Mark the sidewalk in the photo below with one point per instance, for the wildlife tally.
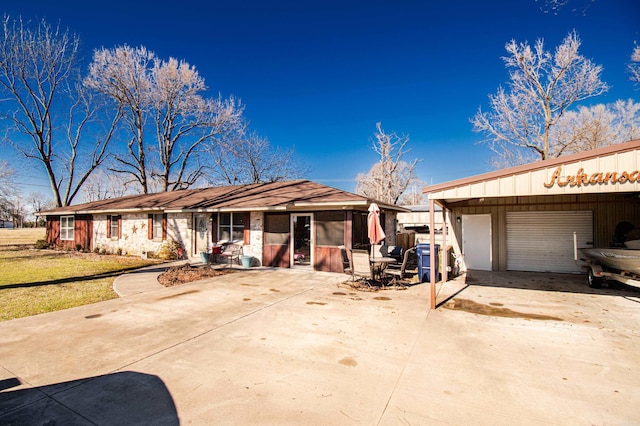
(143, 279)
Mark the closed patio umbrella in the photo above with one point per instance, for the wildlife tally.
(376, 233)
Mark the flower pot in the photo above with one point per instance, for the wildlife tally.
(246, 261)
(204, 256)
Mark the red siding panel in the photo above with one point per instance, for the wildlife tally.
(53, 230)
(276, 255)
(329, 259)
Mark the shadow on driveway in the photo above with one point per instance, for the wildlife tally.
(112, 399)
(546, 281)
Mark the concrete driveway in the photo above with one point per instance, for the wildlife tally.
(289, 347)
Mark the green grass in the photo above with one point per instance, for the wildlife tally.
(22, 236)
(39, 281)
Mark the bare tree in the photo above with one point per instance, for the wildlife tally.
(634, 66)
(542, 87)
(38, 202)
(185, 121)
(165, 98)
(7, 191)
(596, 126)
(577, 7)
(103, 185)
(389, 178)
(46, 103)
(243, 158)
(122, 75)
(16, 210)
(413, 195)
(7, 180)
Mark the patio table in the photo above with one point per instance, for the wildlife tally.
(379, 264)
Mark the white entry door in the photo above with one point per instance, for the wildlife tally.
(476, 241)
(202, 234)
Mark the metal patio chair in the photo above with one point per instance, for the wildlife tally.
(398, 274)
(360, 266)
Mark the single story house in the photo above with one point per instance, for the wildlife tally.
(527, 218)
(296, 223)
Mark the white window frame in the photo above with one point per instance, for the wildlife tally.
(67, 231)
(231, 228)
(156, 222)
(114, 222)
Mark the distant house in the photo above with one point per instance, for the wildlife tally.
(284, 224)
(416, 219)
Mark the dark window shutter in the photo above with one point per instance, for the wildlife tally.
(108, 226)
(119, 226)
(164, 226)
(214, 228)
(150, 227)
(247, 228)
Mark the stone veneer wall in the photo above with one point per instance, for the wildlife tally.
(255, 240)
(179, 228)
(134, 239)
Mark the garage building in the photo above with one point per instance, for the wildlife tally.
(526, 218)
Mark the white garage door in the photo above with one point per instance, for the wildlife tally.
(543, 241)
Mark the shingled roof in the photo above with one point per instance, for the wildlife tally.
(283, 196)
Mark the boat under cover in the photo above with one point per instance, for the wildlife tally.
(620, 259)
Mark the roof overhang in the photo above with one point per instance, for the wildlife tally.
(614, 168)
(304, 206)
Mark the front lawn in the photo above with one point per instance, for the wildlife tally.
(38, 281)
(21, 236)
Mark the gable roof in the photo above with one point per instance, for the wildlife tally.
(536, 178)
(275, 196)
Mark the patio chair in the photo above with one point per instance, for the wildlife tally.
(232, 251)
(360, 265)
(346, 264)
(399, 273)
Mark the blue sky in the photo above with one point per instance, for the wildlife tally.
(318, 75)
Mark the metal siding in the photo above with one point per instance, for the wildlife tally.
(542, 241)
(531, 182)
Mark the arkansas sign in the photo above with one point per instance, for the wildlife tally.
(582, 178)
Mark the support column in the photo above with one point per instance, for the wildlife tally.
(432, 259)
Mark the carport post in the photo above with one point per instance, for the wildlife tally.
(432, 258)
(444, 264)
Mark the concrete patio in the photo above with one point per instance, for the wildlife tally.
(265, 346)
